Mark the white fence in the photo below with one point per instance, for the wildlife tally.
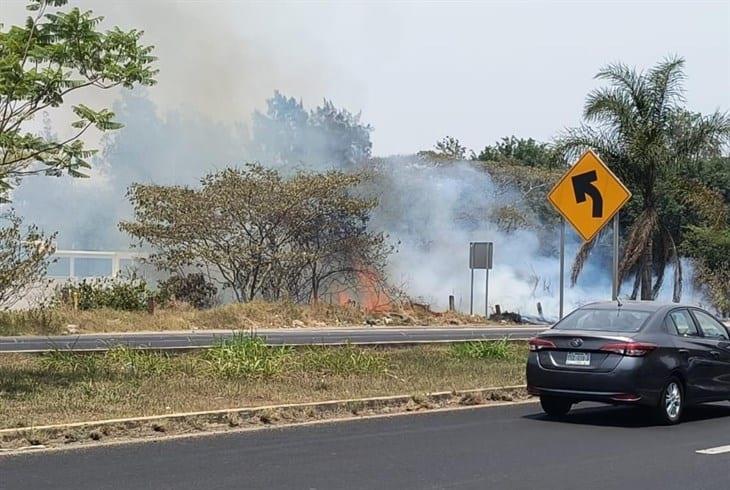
(79, 264)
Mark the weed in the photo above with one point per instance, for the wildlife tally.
(343, 360)
(484, 349)
(72, 363)
(138, 362)
(245, 356)
(41, 320)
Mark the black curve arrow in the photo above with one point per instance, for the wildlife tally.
(582, 186)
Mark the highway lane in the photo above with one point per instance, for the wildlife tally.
(299, 336)
(512, 447)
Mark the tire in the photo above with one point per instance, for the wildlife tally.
(671, 403)
(555, 406)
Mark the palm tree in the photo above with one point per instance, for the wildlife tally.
(641, 129)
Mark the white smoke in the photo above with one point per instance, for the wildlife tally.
(431, 211)
(434, 212)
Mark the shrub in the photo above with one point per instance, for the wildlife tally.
(483, 349)
(193, 289)
(131, 294)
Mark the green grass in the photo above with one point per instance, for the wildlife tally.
(245, 356)
(343, 360)
(484, 349)
(65, 387)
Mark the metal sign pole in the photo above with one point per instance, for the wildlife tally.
(562, 264)
(614, 271)
(486, 295)
(471, 294)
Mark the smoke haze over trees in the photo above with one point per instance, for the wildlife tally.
(429, 207)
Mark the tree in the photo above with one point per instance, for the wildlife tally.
(639, 126)
(259, 234)
(521, 151)
(450, 147)
(325, 137)
(24, 258)
(54, 55)
(710, 250)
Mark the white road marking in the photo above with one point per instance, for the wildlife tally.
(715, 450)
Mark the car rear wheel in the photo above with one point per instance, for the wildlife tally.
(554, 406)
(671, 402)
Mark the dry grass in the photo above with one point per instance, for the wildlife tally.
(229, 317)
(36, 390)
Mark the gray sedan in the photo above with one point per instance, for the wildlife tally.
(663, 356)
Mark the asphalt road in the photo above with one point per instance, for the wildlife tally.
(512, 447)
(308, 336)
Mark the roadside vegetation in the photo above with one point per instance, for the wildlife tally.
(66, 387)
(238, 316)
(295, 222)
(502, 350)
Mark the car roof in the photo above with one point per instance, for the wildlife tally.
(649, 306)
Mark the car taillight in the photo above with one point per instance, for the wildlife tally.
(632, 349)
(536, 344)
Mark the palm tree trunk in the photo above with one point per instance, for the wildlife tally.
(646, 272)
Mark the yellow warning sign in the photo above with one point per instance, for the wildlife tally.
(588, 195)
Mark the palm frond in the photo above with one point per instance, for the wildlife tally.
(666, 85)
(581, 257)
(610, 105)
(629, 79)
(637, 283)
(640, 236)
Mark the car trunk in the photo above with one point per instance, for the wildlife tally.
(580, 350)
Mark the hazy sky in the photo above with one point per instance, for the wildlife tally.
(419, 71)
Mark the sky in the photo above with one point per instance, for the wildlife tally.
(418, 71)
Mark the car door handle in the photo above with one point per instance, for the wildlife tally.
(715, 354)
(684, 352)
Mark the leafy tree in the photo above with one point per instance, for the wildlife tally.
(24, 258)
(710, 250)
(262, 235)
(522, 151)
(325, 137)
(639, 126)
(450, 148)
(56, 54)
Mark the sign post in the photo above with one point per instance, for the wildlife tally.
(562, 265)
(614, 265)
(588, 196)
(480, 257)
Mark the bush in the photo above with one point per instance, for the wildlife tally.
(484, 349)
(193, 289)
(119, 294)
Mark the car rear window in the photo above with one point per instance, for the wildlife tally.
(618, 320)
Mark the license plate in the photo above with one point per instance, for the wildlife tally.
(578, 359)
